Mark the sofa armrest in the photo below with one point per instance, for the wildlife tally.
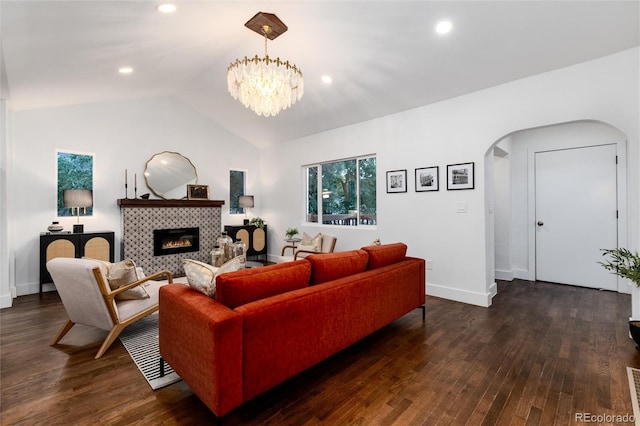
(202, 340)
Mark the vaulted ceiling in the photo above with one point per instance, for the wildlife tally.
(384, 56)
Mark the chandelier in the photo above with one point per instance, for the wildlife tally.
(265, 85)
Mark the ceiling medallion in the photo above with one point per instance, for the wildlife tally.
(265, 85)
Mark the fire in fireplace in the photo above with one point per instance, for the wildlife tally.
(173, 241)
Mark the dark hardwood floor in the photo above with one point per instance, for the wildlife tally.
(542, 354)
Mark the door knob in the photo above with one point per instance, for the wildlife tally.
(540, 223)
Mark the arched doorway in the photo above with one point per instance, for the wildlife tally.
(510, 191)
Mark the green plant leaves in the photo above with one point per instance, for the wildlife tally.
(623, 262)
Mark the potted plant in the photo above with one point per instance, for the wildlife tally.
(626, 264)
(257, 221)
(290, 233)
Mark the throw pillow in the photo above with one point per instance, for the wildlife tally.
(316, 241)
(202, 276)
(123, 273)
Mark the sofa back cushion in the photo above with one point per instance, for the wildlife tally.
(331, 266)
(385, 254)
(238, 288)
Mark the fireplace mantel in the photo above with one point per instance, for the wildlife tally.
(140, 202)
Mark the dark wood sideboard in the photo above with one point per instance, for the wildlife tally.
(97, 245)
(255, 238)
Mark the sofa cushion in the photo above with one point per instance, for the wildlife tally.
(241, 287)
(331, 266)
(385, 254)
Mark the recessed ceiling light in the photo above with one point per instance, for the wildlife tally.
(443, 27)
(327, 79)
(166, 8)
(125, 70)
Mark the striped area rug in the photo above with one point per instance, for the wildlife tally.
(141, 341)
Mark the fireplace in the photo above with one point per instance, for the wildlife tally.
(173, 241)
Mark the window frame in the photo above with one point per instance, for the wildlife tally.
(319, 195)
(85, 175)
(233, 207)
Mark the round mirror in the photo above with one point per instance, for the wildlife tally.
(168, 173)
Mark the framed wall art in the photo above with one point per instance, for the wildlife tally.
(460, 176)
(397, 181)
(427, 179)
(198, 192)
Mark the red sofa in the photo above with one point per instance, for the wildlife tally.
(268, 324)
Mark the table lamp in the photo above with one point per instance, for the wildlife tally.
(245, 202)
(77, 199)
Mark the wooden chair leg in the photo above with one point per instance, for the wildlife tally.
(293, 249)
(113, 335)
(64, 330)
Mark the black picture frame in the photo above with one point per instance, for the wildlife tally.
(397, 181)
(460, 176)
(427, 179)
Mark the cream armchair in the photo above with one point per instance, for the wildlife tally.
(327, 246)
(88, 300)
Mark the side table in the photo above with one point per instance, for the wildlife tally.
(291, 244)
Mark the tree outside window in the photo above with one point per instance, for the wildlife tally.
(236, 189)
(348, 192)
(75, 171)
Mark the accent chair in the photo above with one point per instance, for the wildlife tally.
(89, 300)
(327, 246)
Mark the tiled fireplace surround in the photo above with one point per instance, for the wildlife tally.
(141, 217)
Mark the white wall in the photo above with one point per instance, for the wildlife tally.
(122, 135)
(502, 209)
(7, 281)
(454, 131)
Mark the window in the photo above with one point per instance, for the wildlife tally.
(342, 192)
(236, 189)
(75, 171)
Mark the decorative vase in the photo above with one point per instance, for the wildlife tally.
(217, 257)
(55, 227)
(224, 242)
(634, 329)
(238, 248)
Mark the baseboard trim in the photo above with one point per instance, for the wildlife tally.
(504, 275)
(33, 288)
(464, 296)
(511, 274)
(6, 302)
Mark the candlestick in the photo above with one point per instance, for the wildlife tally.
(135, 185)
(126, 190)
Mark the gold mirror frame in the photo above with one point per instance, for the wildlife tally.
(168, 173)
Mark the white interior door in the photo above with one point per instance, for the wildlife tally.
(576, 215)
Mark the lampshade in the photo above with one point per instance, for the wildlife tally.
(77, 198)
(265, 85)
(245, 201)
